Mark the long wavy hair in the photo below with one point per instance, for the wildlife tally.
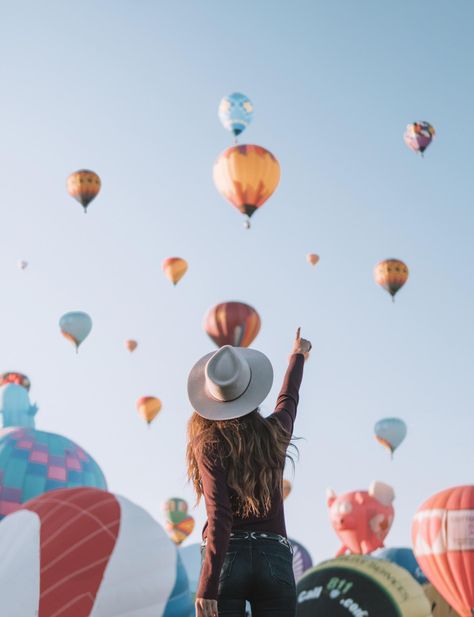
(252, 449)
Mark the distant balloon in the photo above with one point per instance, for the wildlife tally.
(174, 509)
(246, 176)
(149, 407)
(287, 486)
(174, 268)
(22, 264)
(180, 530)
(14, 377)
(232, 323)
(312, 258)
(362, 519)
(443, 543)
(75, 326)
(302, 560)
(131, 345)
(418, 136)
(391, 274)
(235, 112)
(390, 432)
(84, 186)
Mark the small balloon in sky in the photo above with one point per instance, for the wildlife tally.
(390, 432)
(174, 268)
(418, 136)
(312, 258)
(235, 112)
(76, 327)
(391, 274)
(22, 264)
(131, 345)
(149, 407)
(84, 185)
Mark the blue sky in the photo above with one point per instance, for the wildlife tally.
(130, 89)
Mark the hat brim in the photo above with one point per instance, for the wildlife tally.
(205, 405)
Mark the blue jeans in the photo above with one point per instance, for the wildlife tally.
(260, 572)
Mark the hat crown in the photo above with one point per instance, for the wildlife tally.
(228, 374)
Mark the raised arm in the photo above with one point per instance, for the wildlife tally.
(219, 518)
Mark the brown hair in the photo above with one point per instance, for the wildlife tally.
(252, 449)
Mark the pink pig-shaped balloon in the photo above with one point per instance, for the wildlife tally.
(362, 519)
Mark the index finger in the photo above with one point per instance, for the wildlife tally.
(298, 333)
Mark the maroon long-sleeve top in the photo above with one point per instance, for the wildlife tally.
(221, 520)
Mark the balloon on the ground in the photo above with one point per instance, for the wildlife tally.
(246, 176)
(443, 543)
(232, 323)
(191, 556)
(235, 112)
(84, 186)
(15, 377)
(287, 486)
(22, 264)
(312, 258)
(174, 508)
(405, 558)
(418, 136)
(302, 560)
(76, 327)
(84, 552)
(362, 519)
(181, 601)
(131, 344)
(174, 268)
(148, 407)
(390, 432)
(360, 586)
(391, 274)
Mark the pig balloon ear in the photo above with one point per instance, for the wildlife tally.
(330, 496)
(382, 492)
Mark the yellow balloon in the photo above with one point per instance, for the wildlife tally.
(174, 268)
(148, 407)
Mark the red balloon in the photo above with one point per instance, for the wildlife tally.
(232, 323)
(443, 543)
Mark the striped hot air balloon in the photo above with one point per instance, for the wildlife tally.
(84, 185)
(391, 274)
(174, 268)
(232, 323)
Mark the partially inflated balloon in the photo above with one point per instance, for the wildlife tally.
(75, 326)
(246, 176)
(287, 486)
(84, 186)
(391, 274)
(148, 407)
(232, 323)
(390, 432)
(443, 542)
(174, 268)
(131, 345)
(235, 112)
(418, 136)
(312, 258)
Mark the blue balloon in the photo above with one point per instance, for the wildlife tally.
(235, 112)
(405, 558)
(180, 603)
(390, 432)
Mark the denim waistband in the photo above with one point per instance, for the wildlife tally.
(257, 535)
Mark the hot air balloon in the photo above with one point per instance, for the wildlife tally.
(15, 377)
(362, 519)
(390, 432)
(312, 258)
(418, 136)
(246, 176)
(391, 274)
(22, 264)
(360, 586)
(232, 323)
(84, 186)
(174, 268)
(179, 531)
(83, 552)
(235, 112)
(287, 486)
(443, 542)
(181, 601)
(148, 407)
(174, 508)
(302, 560)
(131, 345)
(75, 326)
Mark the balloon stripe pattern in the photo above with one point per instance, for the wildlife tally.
(443, 543)
(246, 176)
(391, 274)
(232, 323)
(84, 185)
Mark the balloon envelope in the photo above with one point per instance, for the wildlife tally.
(131, 345)
(312, 258)
(180, 530)
(22, 264)
(443, 543)
(391, 274)
(84, 186)
(174, 268)
(302, 560)
(405, 558)
(175, 508)
(75, 326)
(287, 486)
(360, 586)
(246, 176)
(235, 112)
(232, 323)
(418, 136)
(149, 407)
(84, 552)
(390, 432)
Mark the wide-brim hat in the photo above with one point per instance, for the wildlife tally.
(229, 383)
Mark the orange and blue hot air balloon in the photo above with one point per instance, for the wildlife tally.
(390, 432)
(418, 136)
(148, 407)
(84, 185)
(246, 176)
(391, 274)
(232, 323)
(235, 112)
(174, 268)
(76, 327)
